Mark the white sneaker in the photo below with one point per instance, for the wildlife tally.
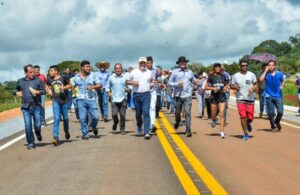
(222, 134)
(147, 136)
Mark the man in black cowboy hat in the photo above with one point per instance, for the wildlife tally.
(182, 80)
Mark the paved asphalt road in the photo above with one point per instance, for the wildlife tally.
(169, 163)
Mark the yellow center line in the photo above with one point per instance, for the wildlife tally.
(200, 169)
(178, 168)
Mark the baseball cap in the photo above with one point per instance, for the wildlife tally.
(143, 59)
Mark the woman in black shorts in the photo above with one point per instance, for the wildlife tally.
(218, 85)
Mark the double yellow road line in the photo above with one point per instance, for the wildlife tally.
(184, 178)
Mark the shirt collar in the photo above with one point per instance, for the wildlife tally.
(116, 76)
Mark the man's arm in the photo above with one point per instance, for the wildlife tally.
(171, 80)
(263, 75)
(19, 89)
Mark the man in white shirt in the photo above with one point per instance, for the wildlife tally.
(142, 81)
(245, 84)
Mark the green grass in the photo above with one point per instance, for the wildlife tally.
(9, 106)
(290, 88)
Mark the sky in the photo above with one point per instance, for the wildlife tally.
(205, 31)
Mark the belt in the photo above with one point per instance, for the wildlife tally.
(141, 92)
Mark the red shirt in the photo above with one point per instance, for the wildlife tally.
(43, 78)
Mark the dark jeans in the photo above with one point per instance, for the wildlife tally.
(29, 114)
(60, 109)
(262, 100)
(43, 97)
(208, 107)
(158, 105)
(142, 108)
(273, 103)
(119, 108)
(186, 103)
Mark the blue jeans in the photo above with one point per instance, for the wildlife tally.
(76, 107)
(70, 99)
(130, 100)
(186, 103)
(273, 103)
(58, 110)
(103, 103)
(142, 108)
(262, 100)
(88, 108)
(29, 114)
(170, 102)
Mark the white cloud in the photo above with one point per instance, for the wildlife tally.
(48, 32)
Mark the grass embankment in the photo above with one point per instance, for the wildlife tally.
(290, 93)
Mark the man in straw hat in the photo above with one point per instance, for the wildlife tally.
(103, 75)
(182, 80)
(142, 81)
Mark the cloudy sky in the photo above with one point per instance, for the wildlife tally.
(47, 32)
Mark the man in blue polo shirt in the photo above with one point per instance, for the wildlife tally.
(274, 84)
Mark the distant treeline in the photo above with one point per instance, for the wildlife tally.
(288, 54)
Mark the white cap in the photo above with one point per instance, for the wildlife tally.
(143, 59)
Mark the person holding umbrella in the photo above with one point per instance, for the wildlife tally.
(274, 82)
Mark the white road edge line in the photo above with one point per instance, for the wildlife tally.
(282, 122)
(11, 142)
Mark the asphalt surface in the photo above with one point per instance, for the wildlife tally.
(268, 163)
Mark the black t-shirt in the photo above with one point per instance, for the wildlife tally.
(58, 94)
(219, 81)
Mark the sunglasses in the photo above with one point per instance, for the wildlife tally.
(244, 65)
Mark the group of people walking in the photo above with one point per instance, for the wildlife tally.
(146, 90)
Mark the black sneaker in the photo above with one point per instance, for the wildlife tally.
(67, 135)
(105, 119)
(95, 131)
(39, 138)
(153, 130)
(188, 134)
(114, 127)
(176, 125)
(278, 126)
